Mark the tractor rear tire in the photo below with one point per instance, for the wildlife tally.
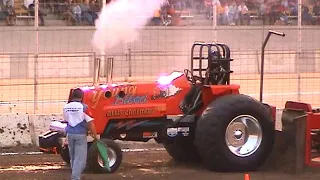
(115, 157)
(182, 150)
(212, 128)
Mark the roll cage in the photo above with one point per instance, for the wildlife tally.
(217, 67)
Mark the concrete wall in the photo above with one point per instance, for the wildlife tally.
(157, 50)
(77, 39)
(18, 129)
(14, 130)
(5, 66)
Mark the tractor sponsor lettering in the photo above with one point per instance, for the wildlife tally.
(130, 112)
(128, 90)
(129, 99)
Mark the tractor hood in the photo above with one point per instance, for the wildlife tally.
(131, 87)
(135, 93)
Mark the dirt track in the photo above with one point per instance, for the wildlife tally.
(143, 161)
(148, 165)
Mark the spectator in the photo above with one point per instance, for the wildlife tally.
(306, 16)
(209, 9)
(76, 12)
(73, 13)
(95, 8)
(165, 7)
(282, 8)
(274, 13)
(233, 14)
(316, 8)
(285, 4)
(264, 12)
(8, 11)
(222, 14)
(244, 13)
(156, 20)
(87, 13)
(293, 8)
(316, 12)
(208, 5)
(29, 4)
(59, 7)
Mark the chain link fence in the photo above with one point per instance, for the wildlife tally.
(39, 64)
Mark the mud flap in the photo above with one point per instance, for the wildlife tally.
(288, 153)
(288, 126)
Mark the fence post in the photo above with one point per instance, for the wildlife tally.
(214, 20)
(299, 48)
(258, 61)
(36, 56)
(129, 59)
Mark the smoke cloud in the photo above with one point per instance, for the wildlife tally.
(120, 22)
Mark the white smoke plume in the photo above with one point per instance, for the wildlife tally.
(120, 21)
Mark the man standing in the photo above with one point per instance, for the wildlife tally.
(29, 4)
(244, 13)
(79, 121)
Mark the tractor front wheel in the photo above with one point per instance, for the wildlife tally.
(64, 153)
(95, 162)
(235, 133)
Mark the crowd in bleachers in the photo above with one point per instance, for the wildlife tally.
(172, 12)
(271, 12)
(74, 12)
(77, 12)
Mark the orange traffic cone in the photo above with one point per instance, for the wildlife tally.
(246, 177)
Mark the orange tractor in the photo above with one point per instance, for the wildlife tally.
(196, 114)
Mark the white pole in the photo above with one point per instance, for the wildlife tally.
(129, 59)
(214, 20)
(36, 55)
(299, 46)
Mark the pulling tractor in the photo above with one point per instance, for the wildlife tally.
(196, 114)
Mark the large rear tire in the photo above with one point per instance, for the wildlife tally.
(227, 122)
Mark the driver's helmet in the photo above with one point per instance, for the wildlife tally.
(214, 55)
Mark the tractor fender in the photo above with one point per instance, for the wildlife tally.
(272, 110)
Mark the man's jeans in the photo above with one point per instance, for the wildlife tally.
(78, 154)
